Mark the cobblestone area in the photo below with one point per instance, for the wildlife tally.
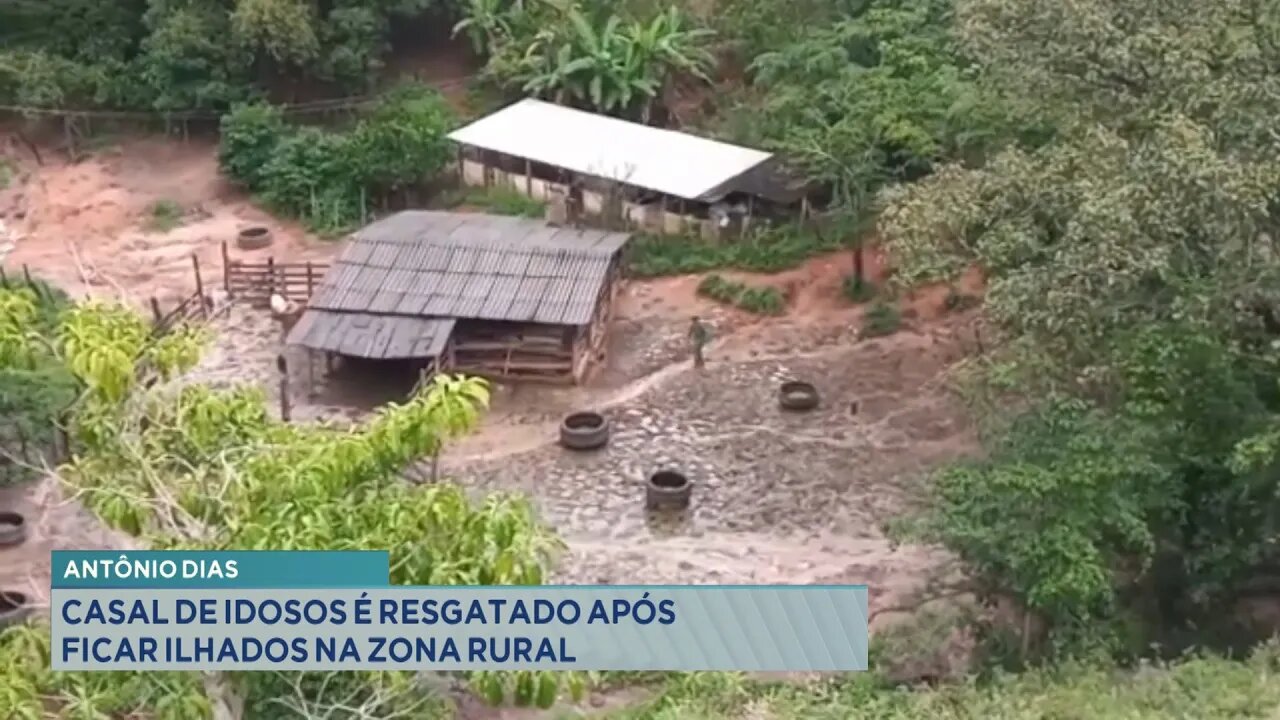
(778, 496)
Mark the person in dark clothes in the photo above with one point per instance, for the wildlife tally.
(699, 336)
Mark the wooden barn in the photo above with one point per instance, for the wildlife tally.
(500, 297)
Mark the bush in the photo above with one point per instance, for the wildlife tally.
(762, 301)
(759, 300)
(403, 141)
(881, 319)
(165, 215)
(250, 136)
(766, 250)
(858, 290)
(329, 178)
(309, 175)
(34, 387)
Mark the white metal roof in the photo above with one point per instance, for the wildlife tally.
(665, 161)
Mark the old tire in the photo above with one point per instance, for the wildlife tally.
(798, 396)
(667, 490)
(584, 431)
(13, 528)
(253, 238)
(14, 607)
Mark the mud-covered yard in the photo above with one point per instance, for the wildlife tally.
(778, 497)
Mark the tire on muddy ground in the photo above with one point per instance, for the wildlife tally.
(14, 607)
(667, 490)
(584, 431)
(798, 396)
(13, 528)
(253, 238)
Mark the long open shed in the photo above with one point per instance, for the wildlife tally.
(649, 177)
(495, 296)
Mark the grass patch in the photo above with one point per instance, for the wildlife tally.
(881, 319)
(495, 200)
(764, 300)
(769, 250)
(165, 215)
(1206, 688)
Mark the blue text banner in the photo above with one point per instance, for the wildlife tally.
(685, 628)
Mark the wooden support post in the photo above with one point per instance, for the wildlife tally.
(195, 265)
(271, 276)
(528, 178)
(283, 366)
(4, 279)
(226, 269)
(311, 373)
(310, 282)
(26, 275)
(155, 311)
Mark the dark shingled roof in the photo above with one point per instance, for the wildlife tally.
(398, 287)
(387, 337)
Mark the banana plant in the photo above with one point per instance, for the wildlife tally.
(608, 64)
(487, 23)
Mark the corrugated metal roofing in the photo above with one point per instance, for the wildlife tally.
(665, 161)
(381, 337)
(403, 281)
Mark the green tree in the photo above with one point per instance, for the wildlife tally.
(876, 95)
(194, 468)
(1131, 264)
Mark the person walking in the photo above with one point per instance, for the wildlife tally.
(699, 336)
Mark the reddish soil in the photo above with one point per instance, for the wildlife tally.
(88, 225)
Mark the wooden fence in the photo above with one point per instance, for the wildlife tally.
(196, 306)
(255, 282)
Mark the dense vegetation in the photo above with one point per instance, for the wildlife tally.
(1133, 270)
(1205, 688)
(334, 178)
(188, 54)
(190, 467)
(33, 393)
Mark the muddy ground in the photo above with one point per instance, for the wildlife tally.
(778, 497)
